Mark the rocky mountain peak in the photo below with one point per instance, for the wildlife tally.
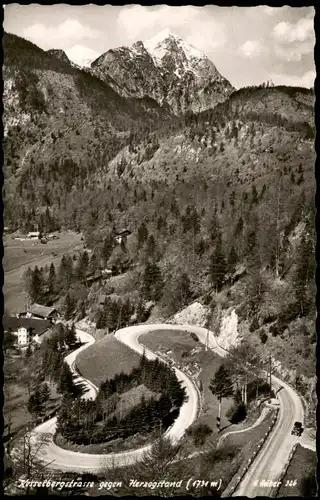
(163, 38)
(173, 54)
(166, 41)
(167, 69)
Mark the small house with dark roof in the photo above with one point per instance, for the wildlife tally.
(112, 296)
(38, 311)
(92, 277)
(106, 273)
(102, 299)
(122, 236)
(33, 235)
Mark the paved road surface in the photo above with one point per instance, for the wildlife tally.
(273, 456)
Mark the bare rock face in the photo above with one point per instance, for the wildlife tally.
(166, 69)
(133, 71)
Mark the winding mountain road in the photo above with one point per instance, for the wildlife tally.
(65, 460)
(273, 456)
(269, 462)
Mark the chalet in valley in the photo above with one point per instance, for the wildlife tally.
(106, 273)
(38, 311)
(27, 329)
(33, 235)
(92, 277)
(113, 297)
(96, 276)
(122, 236)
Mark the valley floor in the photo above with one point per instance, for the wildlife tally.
(19, 255)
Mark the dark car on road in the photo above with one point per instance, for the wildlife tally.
(297, 429)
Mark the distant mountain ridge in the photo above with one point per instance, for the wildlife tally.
(69, 132)
(168, 70)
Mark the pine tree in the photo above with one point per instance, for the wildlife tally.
(141, 313)
(152, 283)
(36, 285)
(101, 321)
(55, 366)
(190, 221)
(179, 293)
(66, 272)
(108, 245)
(69, 306)
(28, 282)
(305, 273)
(254, 195)
(218, 267)
(221, 386)
(142, 234)
(49, 223)
(239, 236)
(82, 266)
(115, 315)
(65, 384)
(38, 376)
(127, 311)
(232, 198)
(59, 339)
(52, 280)
(71, 336)
(82, 310)
(300, 179)
(45, 395)
(35, 404)
(111, 317)
(262, 192)
(214, 231)
(252, 251)
(150, 248)
(28, 351)
(239, 227)
(232, 259)
(119, 260)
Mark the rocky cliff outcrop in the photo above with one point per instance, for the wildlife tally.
(59, 54)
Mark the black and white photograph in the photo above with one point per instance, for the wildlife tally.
(159, 331)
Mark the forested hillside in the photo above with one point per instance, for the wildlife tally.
(61, 124)
(202, 195)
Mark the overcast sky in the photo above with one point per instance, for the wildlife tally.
(248, 45)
